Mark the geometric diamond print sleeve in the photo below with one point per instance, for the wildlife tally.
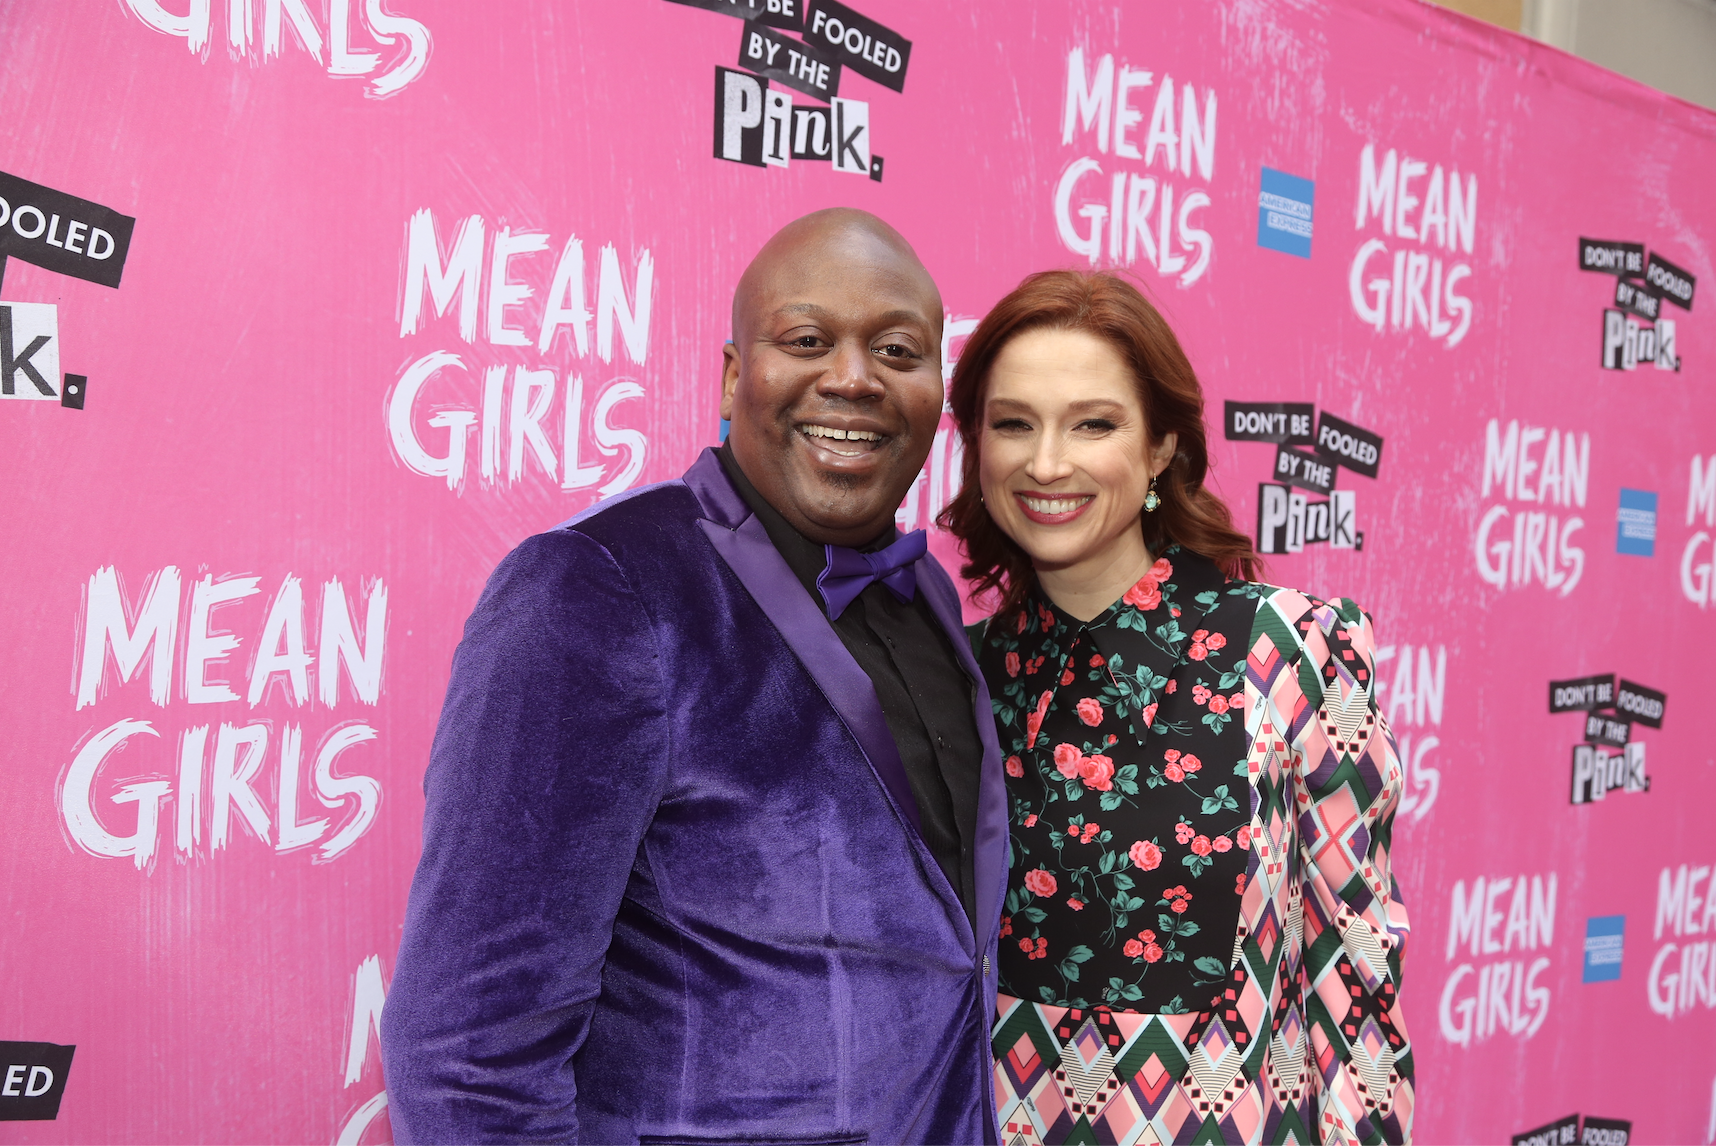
(1301, 1039)
(1327, 778)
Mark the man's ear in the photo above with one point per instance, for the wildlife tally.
(729, 379)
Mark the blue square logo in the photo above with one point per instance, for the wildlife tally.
(1635, 531)
(1284, 213)
(1604, 935)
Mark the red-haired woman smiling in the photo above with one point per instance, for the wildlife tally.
(1201, 930)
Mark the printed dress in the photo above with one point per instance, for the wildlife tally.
(1202, 940)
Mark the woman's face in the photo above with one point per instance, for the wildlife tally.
(1065, 454)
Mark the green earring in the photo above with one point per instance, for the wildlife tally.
(1151, 500)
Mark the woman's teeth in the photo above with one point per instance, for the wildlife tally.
(1053, 505)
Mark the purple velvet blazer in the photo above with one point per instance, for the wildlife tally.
(672, 888)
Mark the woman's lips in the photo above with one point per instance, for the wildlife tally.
(1053, 510)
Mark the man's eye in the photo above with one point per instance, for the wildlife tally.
(896, 350)
(805, 342)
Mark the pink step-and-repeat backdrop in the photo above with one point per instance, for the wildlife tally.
(312, 309)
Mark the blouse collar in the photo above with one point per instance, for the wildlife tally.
(1180, 582)
(1150, 629)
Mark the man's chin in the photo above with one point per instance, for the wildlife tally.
(831, 486)
(845, 515)
(845, 482)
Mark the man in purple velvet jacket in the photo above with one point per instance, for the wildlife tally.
(715, 840)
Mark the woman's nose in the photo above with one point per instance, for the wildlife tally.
(1049, 462)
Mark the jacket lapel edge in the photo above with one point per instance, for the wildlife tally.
(748, 552)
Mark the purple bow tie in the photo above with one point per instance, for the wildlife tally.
(850, 572)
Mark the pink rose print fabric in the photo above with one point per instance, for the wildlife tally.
(1099, 735)
(1202, 792)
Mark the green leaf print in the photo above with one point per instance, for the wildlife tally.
(1211, 967)
(1220, 801)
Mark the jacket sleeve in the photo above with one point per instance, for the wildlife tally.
(1347, 784)
(545, 773)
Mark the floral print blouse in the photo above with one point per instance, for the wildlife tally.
(1125, 780)
(1202, 928)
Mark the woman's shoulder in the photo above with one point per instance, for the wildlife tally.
(1288, 615)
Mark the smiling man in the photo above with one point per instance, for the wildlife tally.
(715, 840)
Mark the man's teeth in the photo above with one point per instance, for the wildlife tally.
(816, 431)
(1054, 505)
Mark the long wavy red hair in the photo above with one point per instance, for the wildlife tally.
(1109, 307)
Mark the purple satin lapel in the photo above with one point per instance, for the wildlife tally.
(753, 557)
(989, 864)
(719, 501)
(744, 545)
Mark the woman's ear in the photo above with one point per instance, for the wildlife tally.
(1162, 453)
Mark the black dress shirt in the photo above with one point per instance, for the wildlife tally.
(925, 696)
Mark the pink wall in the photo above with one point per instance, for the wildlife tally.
(243, 430)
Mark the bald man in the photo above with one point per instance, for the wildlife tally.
(715, 838)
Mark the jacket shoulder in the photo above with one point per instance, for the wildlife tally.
(564, 563)
(617, 516)
(637, 523)
(1288, 616)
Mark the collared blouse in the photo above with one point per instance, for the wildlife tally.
(1201, 792)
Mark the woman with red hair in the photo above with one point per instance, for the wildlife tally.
(1201, 931)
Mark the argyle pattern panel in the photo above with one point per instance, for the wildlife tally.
(1306, 1042)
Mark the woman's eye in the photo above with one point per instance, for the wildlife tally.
(1096, 425)
(1009, 425)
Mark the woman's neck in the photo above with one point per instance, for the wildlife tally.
(1090, 586)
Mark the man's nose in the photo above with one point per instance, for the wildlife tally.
(849, 374)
